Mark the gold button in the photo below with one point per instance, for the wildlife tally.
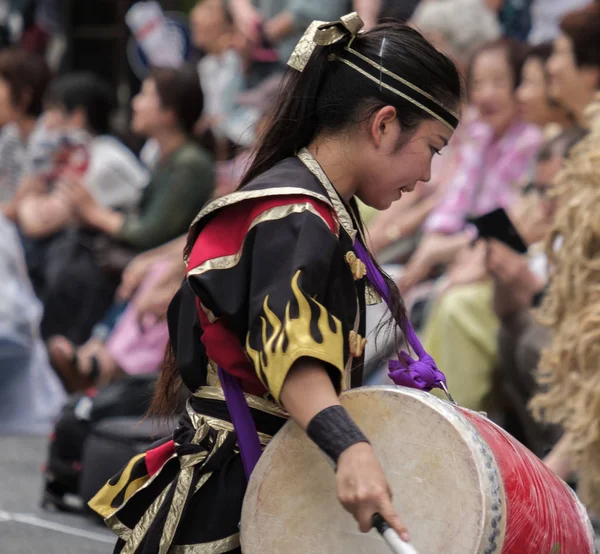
(358, 268)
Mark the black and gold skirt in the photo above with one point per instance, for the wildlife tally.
(184, 496)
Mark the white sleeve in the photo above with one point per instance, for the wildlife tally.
(115, 176)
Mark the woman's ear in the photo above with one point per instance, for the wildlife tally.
(382, 126)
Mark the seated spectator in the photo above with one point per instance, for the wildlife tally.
(166, 109)
(495, 156)
(569, 392)
(31, 395)
(457, 27)
(83, 285)
(462, 330)
(224, 74)
(23, 80)
(519, 282)
(132, 337)
(78, 111)
(535, 102)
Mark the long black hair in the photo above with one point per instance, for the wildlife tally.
(329, 96)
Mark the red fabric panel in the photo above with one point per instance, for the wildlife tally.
(224, 235)
(223, 347)
(157, 457)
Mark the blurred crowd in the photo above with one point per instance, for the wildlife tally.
(92, 232)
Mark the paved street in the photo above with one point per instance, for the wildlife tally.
(24, 527)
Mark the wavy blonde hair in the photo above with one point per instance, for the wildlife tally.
(569, 369)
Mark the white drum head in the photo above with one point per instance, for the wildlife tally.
(445, 481)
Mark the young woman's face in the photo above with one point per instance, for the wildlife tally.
(148, 114)
(8, 111)
(532, 94)
(492, 89)
(390, 171)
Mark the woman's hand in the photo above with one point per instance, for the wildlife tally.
(509, 268)
(247, 18)
(362, 487)
(434, 250)
(152, 302)
(134, 274)
(469, 266)
(363, 490)
(87, 208)
(82, 200)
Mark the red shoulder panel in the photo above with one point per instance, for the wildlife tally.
(225, 233)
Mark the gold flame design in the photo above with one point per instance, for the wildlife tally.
(273, 362)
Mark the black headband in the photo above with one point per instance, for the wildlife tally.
(397, 85)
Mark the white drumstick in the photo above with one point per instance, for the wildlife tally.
(392, 539)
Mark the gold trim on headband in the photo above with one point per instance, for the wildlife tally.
(398, 78)
(397, 92)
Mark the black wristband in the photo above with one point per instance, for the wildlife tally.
(333, 431)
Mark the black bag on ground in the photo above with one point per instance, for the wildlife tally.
(112, 443)
(129, 397)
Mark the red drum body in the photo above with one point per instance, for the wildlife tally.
(461, 484)
(542, 512)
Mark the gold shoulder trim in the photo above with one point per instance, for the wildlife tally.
(216, 547)
(273, 214)
(313, 166)
(238, 196)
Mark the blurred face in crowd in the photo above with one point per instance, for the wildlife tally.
(532, 94)
(8, 111)
(570, 85)
(210, 28)
(149, 116)
(57, 118)
(492, 89)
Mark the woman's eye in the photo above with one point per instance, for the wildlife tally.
(435, 151)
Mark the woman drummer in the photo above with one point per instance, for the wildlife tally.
(275, 296)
